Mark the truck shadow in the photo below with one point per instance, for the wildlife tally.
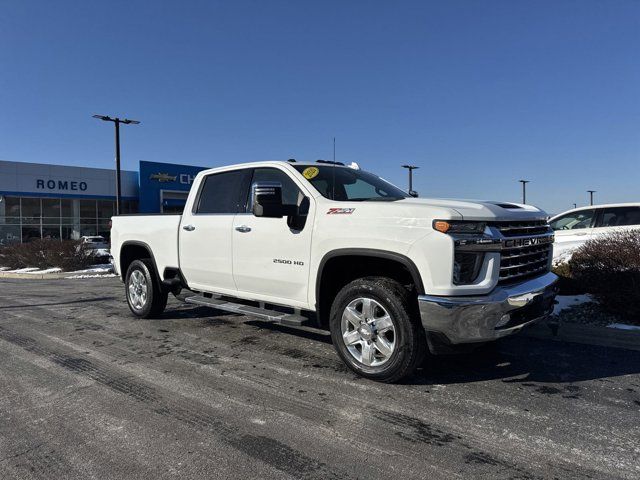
(529, 360)
(515, 359)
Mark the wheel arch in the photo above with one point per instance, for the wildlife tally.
(339, 267)
(135, 250)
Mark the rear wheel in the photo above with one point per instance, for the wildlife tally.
(145, 295)
(375, 329)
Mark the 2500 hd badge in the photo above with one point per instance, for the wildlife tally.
(288, 262)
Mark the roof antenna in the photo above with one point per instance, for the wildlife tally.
(333, 172)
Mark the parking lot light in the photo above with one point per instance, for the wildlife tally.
(117, 121)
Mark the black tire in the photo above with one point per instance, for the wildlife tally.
(155, 299)
(409, 339)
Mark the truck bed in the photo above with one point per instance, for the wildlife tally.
(158, 232)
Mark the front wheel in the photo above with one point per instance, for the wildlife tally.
(145, 296)
(375, 329)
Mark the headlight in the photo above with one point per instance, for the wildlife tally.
(456, 226)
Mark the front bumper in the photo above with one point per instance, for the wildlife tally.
(506, 310)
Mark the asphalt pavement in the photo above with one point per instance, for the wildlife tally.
(88, 391)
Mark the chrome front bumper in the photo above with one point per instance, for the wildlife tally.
(504, 311)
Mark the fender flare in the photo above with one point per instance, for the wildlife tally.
(144, 245)
(370, 252)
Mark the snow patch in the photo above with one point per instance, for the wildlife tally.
(103, 275)
(103, 270)
(623, 326)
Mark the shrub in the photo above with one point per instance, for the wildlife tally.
(609, 268)
(68, 255)
(566, 283)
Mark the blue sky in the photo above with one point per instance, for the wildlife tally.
(479, 94)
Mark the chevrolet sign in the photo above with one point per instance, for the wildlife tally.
(162, 177)
(527, 242)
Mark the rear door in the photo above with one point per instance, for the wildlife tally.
(614, 219)
(205, 236)
(271, 260)
(572, 230)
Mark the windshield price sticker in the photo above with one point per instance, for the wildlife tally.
(310, 172)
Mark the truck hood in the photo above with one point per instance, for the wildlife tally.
(480, 209)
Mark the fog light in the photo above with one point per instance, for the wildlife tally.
(466, 267)
(503, 321)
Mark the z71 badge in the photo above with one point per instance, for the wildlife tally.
(340, 211)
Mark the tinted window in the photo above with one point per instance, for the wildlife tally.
(290, 191)
(221, 192)
(574, 220)
(620, 217)
(342, 184)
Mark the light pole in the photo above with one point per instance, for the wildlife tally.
(591, 192)
(117, 121)
(524, 190)
(411, 168)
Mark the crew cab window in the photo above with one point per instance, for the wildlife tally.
(620, 217)
(574, 220)
(290, 191)
(222, 192)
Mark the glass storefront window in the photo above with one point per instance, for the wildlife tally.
(106, 209)
(28, 218)
(12, 207)
(51, 232)
(67, 232)
(67, 208)
(104, 229)
(31, 212)
(88, 210)
(87, 230)
(30, 233)
(9, 234)
(51, 210)
(129, 206)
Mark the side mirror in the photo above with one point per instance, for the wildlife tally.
(298, 217)
(267, 199)
(413, 193)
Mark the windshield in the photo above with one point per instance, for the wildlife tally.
(346, 184)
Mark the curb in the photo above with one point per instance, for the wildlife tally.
(585, 334)
(42, 276)
(39, 276)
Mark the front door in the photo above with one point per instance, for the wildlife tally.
(205, 238)
(271, 260)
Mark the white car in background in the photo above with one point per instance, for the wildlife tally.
(574, 227)
(99, 246)
(96, 242)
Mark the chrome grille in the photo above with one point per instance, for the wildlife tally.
(522, 261)
(523, 228)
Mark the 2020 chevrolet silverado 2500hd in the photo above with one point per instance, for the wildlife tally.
(388, 274)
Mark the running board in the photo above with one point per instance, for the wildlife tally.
(273, 316)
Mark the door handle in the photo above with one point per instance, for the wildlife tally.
(188, 228)
(243, 229)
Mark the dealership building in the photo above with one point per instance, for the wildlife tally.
(55, 201)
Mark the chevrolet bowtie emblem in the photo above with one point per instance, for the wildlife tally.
(162, 177)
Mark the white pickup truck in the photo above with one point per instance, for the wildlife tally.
(329, 246)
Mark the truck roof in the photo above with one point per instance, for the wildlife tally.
(275, 162)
